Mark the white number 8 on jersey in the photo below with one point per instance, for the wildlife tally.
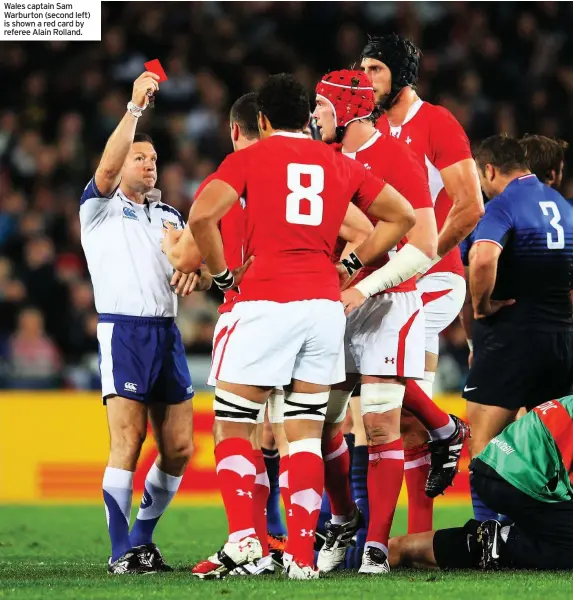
(295, 171)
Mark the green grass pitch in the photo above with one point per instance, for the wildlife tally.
(60, 552)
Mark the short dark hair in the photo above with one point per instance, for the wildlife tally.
(284, 101)
(142, 137)
(244, 114)
(543, 155)
(501, 151)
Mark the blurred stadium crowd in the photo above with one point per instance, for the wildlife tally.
(499, 67)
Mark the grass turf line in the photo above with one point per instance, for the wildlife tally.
(60, 552)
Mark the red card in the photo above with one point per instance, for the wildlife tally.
(155, 67)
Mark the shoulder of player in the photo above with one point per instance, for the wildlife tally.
(92, 193)
(439, 119)
(204, 184)
(399, 155)
(393, 146)
(502, 202)
(436, 113)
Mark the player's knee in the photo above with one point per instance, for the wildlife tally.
(310, 407)
(268, 438)
(413, 432)
(338, 401)
(381, 433)
(380, 405)
(178, 451)
(395, 551)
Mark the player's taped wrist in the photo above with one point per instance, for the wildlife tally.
(433, 262)
(406, 263)
(470, 345)
(225, 280)
(135, 110)
(352, 264)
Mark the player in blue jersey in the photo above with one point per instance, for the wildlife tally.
(520, 277)
(143, 366)
(545, 157)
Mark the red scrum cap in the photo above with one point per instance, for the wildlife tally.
(349, 93)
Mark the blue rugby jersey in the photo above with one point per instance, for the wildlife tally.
(533, 224)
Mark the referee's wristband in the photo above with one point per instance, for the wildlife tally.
(352, 264)
(135, 110)
(225, 280)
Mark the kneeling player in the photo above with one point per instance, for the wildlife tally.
(525, 474)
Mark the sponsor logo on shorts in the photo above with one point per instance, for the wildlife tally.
(467, 389)
(503, 446)
(130, 387)
(389, 359)
(129, 213)
(189, 390)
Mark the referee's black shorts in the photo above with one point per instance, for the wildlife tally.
(514, 367)
(541, 537)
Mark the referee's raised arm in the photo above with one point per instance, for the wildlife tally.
(108, 173)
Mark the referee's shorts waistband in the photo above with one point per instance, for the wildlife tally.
(133, 320)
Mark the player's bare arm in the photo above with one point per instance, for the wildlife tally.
(355, 228)
(467, 317)
(396, 217)
(209, 207)
(180, 248)
(411, 259)
(415, 550)
(462, 185)
(484, 257)
(108, 173)
(424, 234)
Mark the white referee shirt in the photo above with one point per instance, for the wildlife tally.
(122, 243)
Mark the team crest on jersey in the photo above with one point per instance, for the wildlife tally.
(129, 213)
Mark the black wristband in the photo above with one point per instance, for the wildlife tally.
(352, 263)
(224, 281)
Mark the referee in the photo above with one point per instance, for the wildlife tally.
(520, 276)
(143, 366)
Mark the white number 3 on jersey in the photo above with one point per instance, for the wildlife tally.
(295, 171)
(549, 209)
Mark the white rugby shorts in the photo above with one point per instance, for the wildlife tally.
(443, 296)
(270, 343)
(385, 336)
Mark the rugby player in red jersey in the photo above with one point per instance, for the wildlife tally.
(385, 334)
(289, 323)
(391, 63)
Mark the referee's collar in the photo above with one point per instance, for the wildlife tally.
(154, 195)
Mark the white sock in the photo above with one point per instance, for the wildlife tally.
(117, 494)
(160, 488)
(427, 386)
